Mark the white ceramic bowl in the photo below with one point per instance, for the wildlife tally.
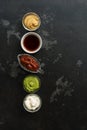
(25, 105)
(27, 34)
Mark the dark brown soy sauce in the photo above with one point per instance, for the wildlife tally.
(31, 42)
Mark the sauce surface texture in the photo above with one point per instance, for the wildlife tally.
(31, 83)
(29, 63)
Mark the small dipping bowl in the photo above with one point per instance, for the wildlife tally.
(32, 103)
(31, 83)
(38, 67)
(31, 42)
(31, 21)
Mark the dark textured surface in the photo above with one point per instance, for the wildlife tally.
(62, 57)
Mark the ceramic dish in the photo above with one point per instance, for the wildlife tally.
(31, 42)
(39, 70)
(32, 103)
(31, 21)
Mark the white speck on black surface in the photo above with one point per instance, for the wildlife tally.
(79, 63)
(40, 60)
(57, 58)
(42, 65)
(5, 22)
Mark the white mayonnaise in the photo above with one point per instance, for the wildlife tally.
(32, 103)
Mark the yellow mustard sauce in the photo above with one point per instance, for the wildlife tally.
(31, 21)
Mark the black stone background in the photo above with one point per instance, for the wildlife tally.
(63, 58)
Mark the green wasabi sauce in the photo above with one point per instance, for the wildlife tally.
(31, 83)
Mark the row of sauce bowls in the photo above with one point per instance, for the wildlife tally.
(31, 42)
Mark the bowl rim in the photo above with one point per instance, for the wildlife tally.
(29, 13)
(31, 33)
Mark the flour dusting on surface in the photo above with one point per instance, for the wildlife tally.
(47, 17)
(5, 22)
(79, 63)
(63, 88)
(57, 58)
(13, 32)
(48, 44)
(45, 33)
(14, 70)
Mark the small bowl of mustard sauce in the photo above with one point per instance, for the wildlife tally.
(31, 21)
